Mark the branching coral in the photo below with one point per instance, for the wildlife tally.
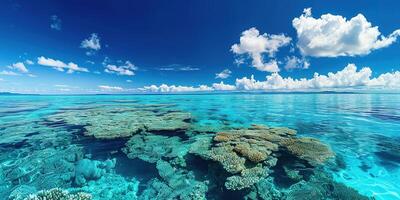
(58, 194)
(247, 178)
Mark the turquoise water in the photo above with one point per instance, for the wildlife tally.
(362, 129)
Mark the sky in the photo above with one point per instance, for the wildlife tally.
(84, 47)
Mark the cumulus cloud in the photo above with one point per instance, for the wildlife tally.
(110, 88)
(60, 66)
(164, 88)
(293, 62)
(334, 35)
(223, 86)
(127, 69)
(224, 74)
(92, 44)
(55, 22)
(19, 66)
(346, 78)
(256, 46)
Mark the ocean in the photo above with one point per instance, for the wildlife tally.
(168, 147)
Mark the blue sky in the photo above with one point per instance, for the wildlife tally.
(127, 46)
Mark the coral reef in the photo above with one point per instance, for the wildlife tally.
(21, 192)
(58, 194)
(43, 168)
(247, 178)
(321, 186)
(193, 160)
(112, 186)
(151, 148)
(247, 154)
(86, 170)
(239, 149)
(123, 121)
(308, 149)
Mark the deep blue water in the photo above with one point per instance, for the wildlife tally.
(362, 129)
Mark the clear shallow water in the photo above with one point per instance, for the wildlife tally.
(362, 129)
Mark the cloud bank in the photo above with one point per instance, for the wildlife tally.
(348, 77)
(334, 35)
(164, 88)
(108, 88)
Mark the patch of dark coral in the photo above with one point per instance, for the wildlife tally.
(289, 170)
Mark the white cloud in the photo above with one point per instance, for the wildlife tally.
(224, 74)
(334, 35)
(178, 67)
(271, 66)
(164, 88)
(188, 68)
(110, 88)
(8, 73)
(90, 62)
(55, 22)
(255, 45)
(129, 81)
(61, 86)
(60, 66)
(387, 80)
(346, 78)
(29, 62)
(92, 44)
(19, 66)
(294, 62)
(223, 86)
(126, 69)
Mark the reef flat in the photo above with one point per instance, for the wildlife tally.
(189, 161)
